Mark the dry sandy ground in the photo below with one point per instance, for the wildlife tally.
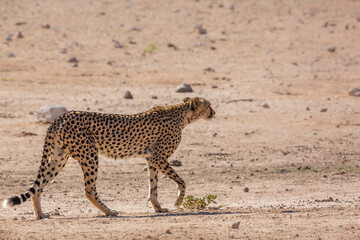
(299, 157)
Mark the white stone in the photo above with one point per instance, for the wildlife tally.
(184, 88)
(354, 92)
(50, 112)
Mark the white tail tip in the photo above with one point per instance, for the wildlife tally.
(6, 203)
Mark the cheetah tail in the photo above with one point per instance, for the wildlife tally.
(17, 200)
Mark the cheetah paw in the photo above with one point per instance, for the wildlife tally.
(43, 216)
(162, 210)
(112, 213)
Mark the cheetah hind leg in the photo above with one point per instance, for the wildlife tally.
(58, 160)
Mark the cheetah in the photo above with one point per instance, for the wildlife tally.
(154, 134)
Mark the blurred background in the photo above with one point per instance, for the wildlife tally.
(278, 74)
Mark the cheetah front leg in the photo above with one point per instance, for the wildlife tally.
(153, 179)
(164, 166)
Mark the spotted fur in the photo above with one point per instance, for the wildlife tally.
(154, 134)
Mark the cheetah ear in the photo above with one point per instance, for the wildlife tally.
(186, 99)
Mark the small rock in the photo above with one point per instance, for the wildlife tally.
(145, 169)
(55, 213)
(49, 113)
(246, 189)
(331, 48)
(354, 92)
(11, 55)
(45, 25)
(200, 29)
(76, 64)
(184, 88)
(323, 110)
(53, 181)
(117, 44)
(63, 50)
(128, 95)
(200, 44)
(73, 60)
(9, 37)
(265, 105)
(25, 134)
(175, 163)
(170, 45)
(235, 225)
(168, 231)
(209, 69)
(19, 35)
(249, 132)
(135, 29)
(214, 86)
(15, 218)
(358, 18)
(307, 109)
(20, 23)
(154, 97)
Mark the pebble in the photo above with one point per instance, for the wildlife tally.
(200, 29)
(128, 95)
(45, 25)
(145, 169)
(154, 97)
(19, 35)
(73, 60)
(209, 69)
(184, 88)
(11, 55)
(9, 37)
(49, 113)
(117, 44)
(53, 181)
(246, 189)
(63, 50)
(175, 163)
(170, 45)
(15, 218)
(135, 29)
(323, 110)
(235, 225)
(354, 92)
(331, 48)
(265, 105)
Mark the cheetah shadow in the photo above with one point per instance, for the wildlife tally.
(170, 214)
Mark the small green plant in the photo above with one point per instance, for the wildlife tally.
(4, 79)
(191, 202)
(150, 49)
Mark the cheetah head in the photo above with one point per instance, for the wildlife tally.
(199, 108)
